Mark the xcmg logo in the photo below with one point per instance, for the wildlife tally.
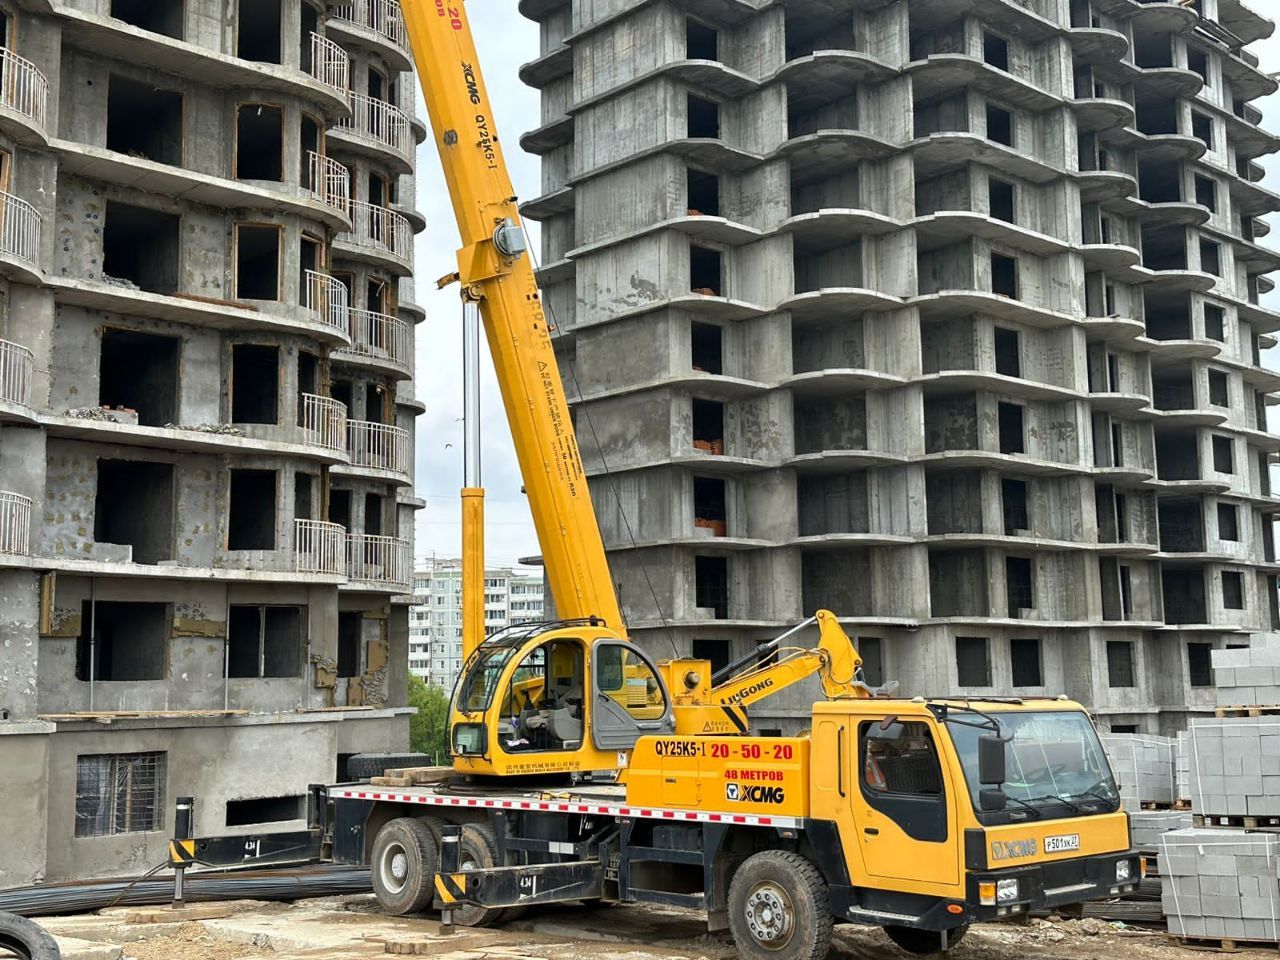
(1013, 849)
(753, 793)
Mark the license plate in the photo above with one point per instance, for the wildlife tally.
(1062, 844)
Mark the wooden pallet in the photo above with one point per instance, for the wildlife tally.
(1226, 944)
(1244, 711)
(1264, 824)
(107, 716)
(1158, 805)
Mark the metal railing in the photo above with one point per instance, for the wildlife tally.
(19, 228)
(383, 17)
(379, 560)
(377, 336)
(319, 547)
(328, 299)
(17, 367)
(330, 65)
(330, 181)
(15, 524)
(378, 446)
(324, 421)
(23, 87)
(380, 228)
(381, 122)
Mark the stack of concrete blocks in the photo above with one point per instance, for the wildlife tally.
(1221, 884)
(1248, 676)
(1182, 766)
(1234, 766)
(1144, 769)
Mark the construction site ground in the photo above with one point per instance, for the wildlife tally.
(352, 926)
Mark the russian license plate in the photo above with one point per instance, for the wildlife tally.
(1062, 844)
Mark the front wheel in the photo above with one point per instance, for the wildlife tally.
(779, 908)
(925, 943)
(406, 856)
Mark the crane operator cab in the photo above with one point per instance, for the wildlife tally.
(561, 698)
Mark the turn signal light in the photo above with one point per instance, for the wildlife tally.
(955, 909)
(1142, 867)
(987, 894)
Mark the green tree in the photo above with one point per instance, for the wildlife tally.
(427, 727)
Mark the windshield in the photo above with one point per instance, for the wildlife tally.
(1050, 758)
(480, 676)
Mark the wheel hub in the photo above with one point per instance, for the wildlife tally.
(399, 866)
(394, 868)
(770, 916)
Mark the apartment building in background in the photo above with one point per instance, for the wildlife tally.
(206, 415)
(945, 316)
(511, 597)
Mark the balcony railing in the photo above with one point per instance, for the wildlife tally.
(23, 87)
(384, 561)
(378, 446)
(324, 421)
(380, 122)
(377, 336)
(15, 524)
(19, 228)
(330, 181)
(319, 547)
(379, 228)
(330, 65)
(383, 17)
(329, 300)
(17, 366)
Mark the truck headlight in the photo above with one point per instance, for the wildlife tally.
(1006, 891)
(1124, 871)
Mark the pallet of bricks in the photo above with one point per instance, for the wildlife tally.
(1221, 877)
(1144, 766)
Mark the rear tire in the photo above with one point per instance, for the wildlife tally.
(479, 851)
(403, 868)
(924, 943)
(779, 908)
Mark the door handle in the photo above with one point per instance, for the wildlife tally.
(871, 831)
(840, 761)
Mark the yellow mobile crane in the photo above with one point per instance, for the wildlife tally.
(918, 815)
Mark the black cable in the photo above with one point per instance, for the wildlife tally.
(554, 327)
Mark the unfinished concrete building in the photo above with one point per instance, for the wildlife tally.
(206, 412)
(943, 315)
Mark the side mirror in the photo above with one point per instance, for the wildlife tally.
(992, 800)
(991, 761)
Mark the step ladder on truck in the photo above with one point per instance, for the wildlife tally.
(583, 770)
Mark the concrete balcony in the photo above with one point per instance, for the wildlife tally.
(378, 22)
(19, 238)
(379, 127)
(378, 340)
(324, 422)
(15, 524)
(329, 182)
(24, 96)
(379, 563)
(17, 368)
(330, 64)
(379, 234)
(328, 301)
(319, 547)
(379, 448)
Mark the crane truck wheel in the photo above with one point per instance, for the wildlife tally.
(20, 937)
(925, 943)
(779, 908)
(403, 866)
(479, 852)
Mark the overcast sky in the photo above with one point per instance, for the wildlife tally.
(506, 42)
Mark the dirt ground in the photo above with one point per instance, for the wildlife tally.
(352, 927)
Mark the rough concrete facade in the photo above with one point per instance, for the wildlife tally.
(206, 411)
(943, 315)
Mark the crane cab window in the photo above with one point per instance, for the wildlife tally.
(901, 758)
(542, 709)
(630, 682)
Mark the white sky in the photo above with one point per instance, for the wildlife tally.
(506, 41)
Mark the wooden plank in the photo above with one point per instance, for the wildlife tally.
(391, 781)
(418, 776)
